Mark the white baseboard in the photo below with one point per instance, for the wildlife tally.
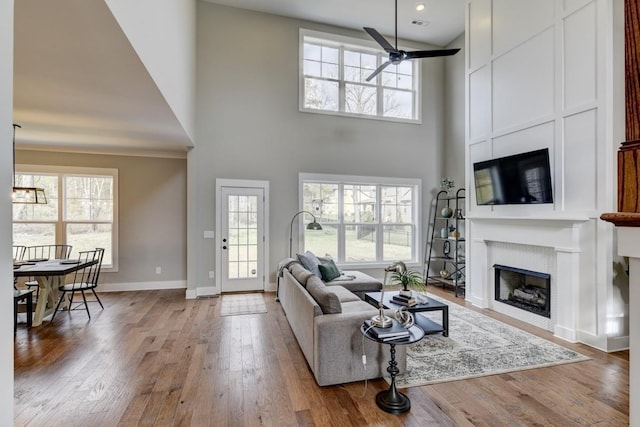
(565, 333)
(617, 343)
(203, 291)
(142, 286)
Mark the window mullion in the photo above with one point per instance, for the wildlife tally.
(341, 228)
(379, 91)
(379, 232)
(341, 83)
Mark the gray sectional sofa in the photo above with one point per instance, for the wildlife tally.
(325, 318)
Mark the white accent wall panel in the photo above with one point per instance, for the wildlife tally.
(523, 82)
(479, 33)
(479, 103)
(546, 75)
(571, 5)
(580, 57)
(515, 21)
(580, 176)
(527, 139)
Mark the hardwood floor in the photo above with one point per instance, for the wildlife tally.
(155, 359)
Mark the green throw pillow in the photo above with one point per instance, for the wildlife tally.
(329, 271)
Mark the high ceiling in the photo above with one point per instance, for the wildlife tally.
(80, 86)
(443, 19)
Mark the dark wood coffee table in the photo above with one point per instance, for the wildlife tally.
(428, 325)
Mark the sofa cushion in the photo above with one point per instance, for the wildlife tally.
(357, 307)
(300, 273)
(344, 295)
(329, 271)
(357, 281)
(327, 300)
(310, 262)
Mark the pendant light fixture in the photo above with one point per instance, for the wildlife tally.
(25, 195)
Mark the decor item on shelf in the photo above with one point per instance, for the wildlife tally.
(455, 233)
(25, 195)
(446, 249)
(448, 185)
(446, 212)
(459, 214)
(444, 232)
(396, 56)
(314, 225)
(444, 274)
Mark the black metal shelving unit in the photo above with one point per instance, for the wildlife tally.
(445, 253)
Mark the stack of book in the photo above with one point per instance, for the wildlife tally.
(403, 300)
(395, 332)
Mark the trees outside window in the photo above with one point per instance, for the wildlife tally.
(81, 210)
(333, 80)
(365, 220)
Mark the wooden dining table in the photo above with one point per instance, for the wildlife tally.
(49, 274)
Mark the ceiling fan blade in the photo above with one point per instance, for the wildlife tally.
(430, 53)
(378, 70)
(381, 40)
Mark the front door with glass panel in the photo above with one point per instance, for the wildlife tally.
(242, 238)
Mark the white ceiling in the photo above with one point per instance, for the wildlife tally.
(80, 86)
(445, 18)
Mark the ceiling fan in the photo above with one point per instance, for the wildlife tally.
(396, 56)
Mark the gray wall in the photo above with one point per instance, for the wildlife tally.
(152, 213)
(248, 127)
(454, 146)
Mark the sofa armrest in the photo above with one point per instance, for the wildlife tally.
(338, 349)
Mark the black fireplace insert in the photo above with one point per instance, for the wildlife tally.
(524, 289)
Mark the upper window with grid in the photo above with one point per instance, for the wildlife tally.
(333, 80)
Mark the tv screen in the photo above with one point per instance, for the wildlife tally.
(514, 180)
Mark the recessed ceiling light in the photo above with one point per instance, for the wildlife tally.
(420, 7)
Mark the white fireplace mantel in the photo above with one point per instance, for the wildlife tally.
(566, 250)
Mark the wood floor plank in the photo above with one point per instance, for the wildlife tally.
(154, 358)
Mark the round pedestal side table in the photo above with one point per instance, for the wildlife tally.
(392, 400)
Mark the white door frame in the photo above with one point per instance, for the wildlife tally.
(241, 183)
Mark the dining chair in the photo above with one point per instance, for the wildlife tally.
(42, 252)
(18, 255)
(48, 252)
(85, 279)
(18, 252)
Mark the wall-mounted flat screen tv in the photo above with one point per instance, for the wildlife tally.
(514, 180)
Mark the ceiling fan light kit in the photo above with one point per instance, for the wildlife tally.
(396, 56)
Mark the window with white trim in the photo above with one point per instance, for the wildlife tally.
(365, 220)
(333, 72)
(81, 210)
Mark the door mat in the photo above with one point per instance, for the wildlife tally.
(236, 304)
(477, 345)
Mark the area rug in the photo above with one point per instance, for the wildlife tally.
(477, 345)
(235, 304)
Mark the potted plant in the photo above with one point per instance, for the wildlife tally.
(408, 279)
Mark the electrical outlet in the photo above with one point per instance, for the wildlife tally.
(212, 275)
(158, 270)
